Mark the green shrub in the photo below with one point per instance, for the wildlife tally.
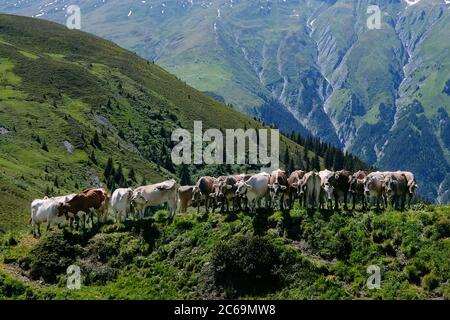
(51, 257)
(246, 264)
(413, 274)
(430, 282)
(443, 227)
(106, 254)
(11, 288)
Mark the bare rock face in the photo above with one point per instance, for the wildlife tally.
(69, 146)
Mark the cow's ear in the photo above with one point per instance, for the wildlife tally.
(229, 187)
(283, 187)
(248, 186)
(295, 184)
(212, 195)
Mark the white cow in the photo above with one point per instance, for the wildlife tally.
(155, 195)
(254, 189)
(327, 185)
(43, 210)
(121, 202)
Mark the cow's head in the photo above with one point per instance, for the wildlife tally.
(62, 210)
(356, 185)
(374, 184)
(227, 189)
(328, 186)
(137, 199)
(129, 193)
(196, 194)
(277, 188)
(242, 188)
(217, 193)
(299, 187)
(389, 185)
(368, 185)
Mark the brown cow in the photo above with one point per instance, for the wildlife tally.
(374, 188)
(356, 188)
(295, 183)
(278, 186)
(86, 202)
(185, 197)
(202, 192)
(396, 188)
(341, 186)
(225, 193)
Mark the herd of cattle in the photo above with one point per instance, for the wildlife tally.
(238, 192)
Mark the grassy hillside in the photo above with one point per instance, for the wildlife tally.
(296, 255)
(69, 101)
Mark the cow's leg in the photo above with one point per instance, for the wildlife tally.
(39, 229)
(91, 214)
(33, 227)
(290, 199)
(345, 201)
(49, 222)
(253, 205)
(206, 205)
(410, 197)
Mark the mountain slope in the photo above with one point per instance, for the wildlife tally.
(70, 101)
(307, 65)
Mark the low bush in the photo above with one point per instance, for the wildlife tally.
(246, 264)
(51, 257)
(430, 282)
